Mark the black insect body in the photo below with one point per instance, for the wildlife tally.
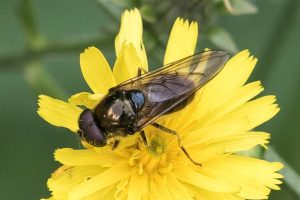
(138, 102)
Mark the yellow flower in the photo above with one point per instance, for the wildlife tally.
(214, 126)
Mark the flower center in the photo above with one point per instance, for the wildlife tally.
(154, 157)
(157, 146)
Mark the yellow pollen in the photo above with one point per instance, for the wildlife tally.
(159, 149)
(133, 159)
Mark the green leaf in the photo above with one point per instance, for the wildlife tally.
(222, 39)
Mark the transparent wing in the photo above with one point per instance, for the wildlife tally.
(168, 86)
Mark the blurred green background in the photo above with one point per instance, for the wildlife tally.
(40, 43)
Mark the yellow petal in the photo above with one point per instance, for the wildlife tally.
(209, 110)
(100, 181)
(157, 191)
(58, 113)
(131, 31)
(121, 191)
(127, 64)
(241, 142)
(84, 157)
(234, 74)
(137, 186)
(242, 119)
(254, 176)
(105, 193)
(177, 189)
(256, 112)
(208, 195)
(61, 184)
(96, 71)
(224, 128)
(86, 99)
(182, 40)
(200, 110)
(203, 181)
(229, 144)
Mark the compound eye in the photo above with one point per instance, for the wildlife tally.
(137, 98)
(89, 131)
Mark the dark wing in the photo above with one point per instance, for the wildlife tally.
(166, 87)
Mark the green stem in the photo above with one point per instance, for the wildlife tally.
(42, 82)
(34, 73)
(14, 62)
(291, 178)
(26, 15)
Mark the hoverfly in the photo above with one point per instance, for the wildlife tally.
(138, 102)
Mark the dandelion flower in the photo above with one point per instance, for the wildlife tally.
(214, 127)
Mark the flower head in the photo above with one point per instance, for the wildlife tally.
(215, 126)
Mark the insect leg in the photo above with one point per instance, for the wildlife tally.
(140, 70)
(142, 133)
(167, 130)
(164, 129)
(115, 144)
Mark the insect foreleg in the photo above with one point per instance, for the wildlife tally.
(167, 130)
(115, 144)
(143, 136)
(164, 129)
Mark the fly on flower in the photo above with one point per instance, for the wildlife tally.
(138, 102)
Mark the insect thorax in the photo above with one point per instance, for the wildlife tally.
(117, 113)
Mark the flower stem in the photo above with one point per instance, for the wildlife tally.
(26, 15)
(15, 62)
(34, 74)
(41, 81)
